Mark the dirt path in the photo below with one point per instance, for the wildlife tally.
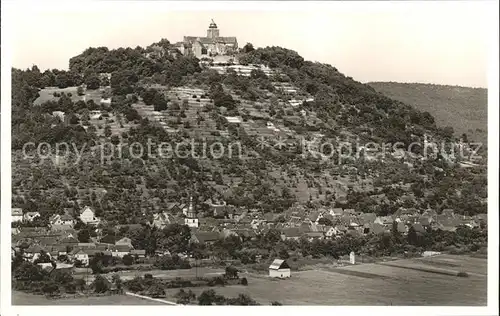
(151, 299)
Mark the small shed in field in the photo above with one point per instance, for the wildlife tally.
(279, 269)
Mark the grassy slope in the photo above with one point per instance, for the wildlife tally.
(464, 109)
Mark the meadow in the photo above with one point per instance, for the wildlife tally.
(421, 281)
(369, 284)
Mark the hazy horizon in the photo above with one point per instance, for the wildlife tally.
(436, 43)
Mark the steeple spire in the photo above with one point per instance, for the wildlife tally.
(212, 25)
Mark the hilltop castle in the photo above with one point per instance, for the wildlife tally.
(211, 45)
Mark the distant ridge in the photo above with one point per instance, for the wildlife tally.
(463, 108)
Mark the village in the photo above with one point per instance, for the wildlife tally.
(60, 238)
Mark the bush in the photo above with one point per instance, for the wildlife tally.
(50, 288)
(184, 297)
(128, 260)
(156, 291)
(217, 281)
(276, 303)
(462, 274)
(101, 285)
(135, 285)
(244, 281)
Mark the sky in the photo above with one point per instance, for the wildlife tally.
(427, 42)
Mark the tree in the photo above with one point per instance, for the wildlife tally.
(84, 235)
(156, 291)
(248, 48)
(209, 297)
(184, 297)
(128, 260)
(118, 282)
(43, 257)
(62, 277)
(96, 263)
(50, 288)
(27, 271)
(231, 272)
(160, 104)
(115, 140)
(93, 82)
(100, 284)
(242, 299)
(412, 236)
(244, 281)
(107, 131)
(73, 119)
(80, 91)
(149, 95)
(325, 221)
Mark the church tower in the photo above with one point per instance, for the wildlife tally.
(191, 219)
(191, 212)
(213, 31)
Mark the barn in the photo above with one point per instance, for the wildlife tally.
(279, 269)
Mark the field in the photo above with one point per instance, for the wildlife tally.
(422, 281)
(164, 274)
(20, 298)
(464, 109)
(370, 284)
(47, 95)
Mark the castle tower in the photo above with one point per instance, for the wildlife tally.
(212, 31)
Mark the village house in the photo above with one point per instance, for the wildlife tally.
(17, 215)
(87, 216)
(279, 269)
(160, 220)
(119, 250)
(290, 233)
(30, 216)
(314, 235)
(80, 256)
(331, 232)
(138, 253)
(64, 220)
(125, 241)
(33, 252)
(202, 237)
(336, 212)
(448, 212)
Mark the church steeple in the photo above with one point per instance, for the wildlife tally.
(212, 31)
(191, 211)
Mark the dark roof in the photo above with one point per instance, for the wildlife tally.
(138, 252)
(279, 264)
(35, 249)
(120, 248)
(66, 217)
(419, 228)
(313, 216)
(69, 240)
(226, 39)
(401, 227)
(314, 234)
(203, 237)
(377, 228)
(291, 232)
(208, 40)
(245, 232)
